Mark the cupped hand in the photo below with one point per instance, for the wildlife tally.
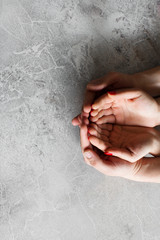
(126, 107)
(96, 87)
(144, 170)
(147, 81)
(126, 142)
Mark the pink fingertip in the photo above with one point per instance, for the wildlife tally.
(91, 112)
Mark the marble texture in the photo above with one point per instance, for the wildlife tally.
(49, 51)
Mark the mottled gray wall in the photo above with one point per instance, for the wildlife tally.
(49, 50)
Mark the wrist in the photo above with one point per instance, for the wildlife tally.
(135, 80)
(155, 145)
(148, 80)
(157, 117)
(147, 170)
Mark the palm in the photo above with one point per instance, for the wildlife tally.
(112, 166)
(129, 143)
(136, 140)
(120, 167)
(144, 169)
(139, 110)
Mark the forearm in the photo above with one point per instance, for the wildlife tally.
(147, 170)
(149, 81)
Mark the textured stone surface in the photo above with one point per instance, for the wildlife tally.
(49, 50)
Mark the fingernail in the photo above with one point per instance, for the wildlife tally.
(88, 155)
(112, 92)
(89, 159)
(108, 153)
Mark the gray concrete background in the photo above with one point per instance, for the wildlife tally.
(49, 50)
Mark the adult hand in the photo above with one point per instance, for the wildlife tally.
(144, 170)
(126, 142)
(96, 87)
(126, 107)
(148, 81)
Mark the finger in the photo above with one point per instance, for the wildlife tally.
(129, 93)
(82, 117)
(106, 119)
(76, 121)
(94, 132)
(99, 143)
(85, 143)
(88, 100)
(105, 126)
(97, 84)
(116, 95)
(99, 130)
(113, 166)
(103, 82)
(84, 114)
(122, 153)
(94, 125)
(100, 164)
(106, 106)
(102, 113)
(94, 112)
(85, 121)
(102, 101)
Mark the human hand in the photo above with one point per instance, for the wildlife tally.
(126, 107)
(148, 81)
(144, 170)
(97, 87)
(126, 142)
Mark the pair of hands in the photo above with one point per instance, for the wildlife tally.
(127, 144)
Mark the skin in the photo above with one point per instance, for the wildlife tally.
(126, 107)
(149, 81)
(144, 170)
(126, 142)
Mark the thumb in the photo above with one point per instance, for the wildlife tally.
(122, 153)
(116, 95)
(125, 94)
(94, 160)
(103, 82)
(89, 157)
(97, 84)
